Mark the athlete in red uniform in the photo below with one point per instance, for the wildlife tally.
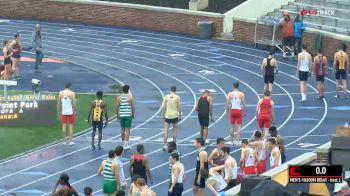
(264, 113)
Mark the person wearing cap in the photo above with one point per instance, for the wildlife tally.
(287, 26)
(341, 189)
(67, 189)
(37, 45)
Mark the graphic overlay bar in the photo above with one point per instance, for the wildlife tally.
(315, 174)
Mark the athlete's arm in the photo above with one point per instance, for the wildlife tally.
(148, 170)
(211, 183)
(117, 105)
(298, 63)
(243, 105)
(277, 157)
(335, 62)
(165, 100)
(132, 103)
(74, 102)
(210, 99)
(228, 104)
(310, 61)
(59, 192)
(105, 111)
(212, 156)
(325, 64)
(202, 157)
(263, 66)
(229, 171)
(100, 170)
(257, 109)
(276, 66)
(272, 111)
(243, 155)
(179, 106)
(347, 62)
(90, 111)
(130, 165)
(59, 104)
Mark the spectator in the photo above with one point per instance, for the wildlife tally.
(280, 142)
(37, 45)
(287, 33)
(341, 189)
(299, 27)
(88, 191)
(144, 190)
(67, 189)
(139, 164)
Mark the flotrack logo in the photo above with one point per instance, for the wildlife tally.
(321, 12)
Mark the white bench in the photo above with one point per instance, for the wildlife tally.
(6, 83)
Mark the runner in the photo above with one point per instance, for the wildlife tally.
(110, 170)
(204, 108)
(248, 159)
(230, 167)
(260, 151)
(67, 189)
(171, 114)
(264, 113)
(37, 45)
(143, 189)
(67, 107)
(269, 68)
(279, 141)
(235, 111)
(98, 108)
(202, 162)
(340, 66)
(119, 150)
(171, 150)
(275, 157)
(320, 71)
(139, 164)
(303, 71)
(7, 60)
(125, 109)
(215, 182)
(216, 158)
(178, 176)
(133, 189)
(16, 48)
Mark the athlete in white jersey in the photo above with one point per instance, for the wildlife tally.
(177, 176)
(248, 159)
(275, 158)
(303, 71)
(260, 151)
(67, 108)
(235, 111)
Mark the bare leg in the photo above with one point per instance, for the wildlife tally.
(232, 132)
(165, 133)
(201, 192)
(99, 138)
(201, 132)
(205, 133)
(344, 86)
(122, 134)
(195, 190)
(266, 133)
(93, 138)
(64, 132)
(238, 133)
(127, 134)
(270, 87)
(174, 132)
(337, 86)
(70, 132)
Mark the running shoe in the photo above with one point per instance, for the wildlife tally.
(64, 143)
(71, 143)
(165, 148)
(336, 96)
(127, 147)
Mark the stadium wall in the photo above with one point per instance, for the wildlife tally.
(243, 31)
(112, 13)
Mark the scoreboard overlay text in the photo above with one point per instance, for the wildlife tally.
(315, 174)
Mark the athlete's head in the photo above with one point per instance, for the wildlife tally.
(64, 179)
(204, 173)
(88, 191)
(273, 131)
(220, 142)
(67, 85)
(17, 36)
(173, 89)
(174, 157)
(226, 150)
(119, 150)
(272, 53)
(206, 92)
(199, 142)
(245, 142)
(236, 85)
(5, 43)
(171, 146)
(272, 142)
(126, 88)
(257, 135)
(342, 46)
(111, 154)
(140, 182)
(37, 27)
(304, 47)
(99, 94)
(267, 93)
(140, 149)
(320, 51)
